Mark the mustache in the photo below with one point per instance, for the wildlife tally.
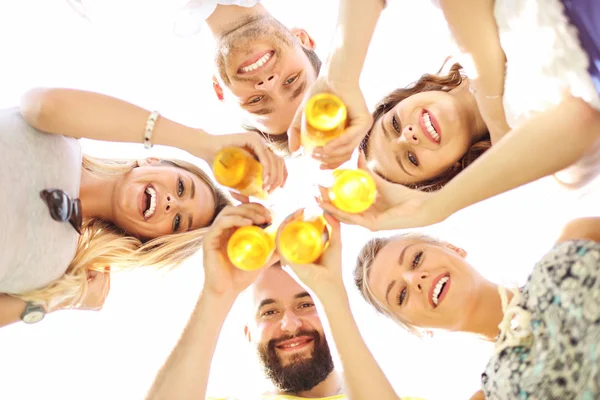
(313, 334)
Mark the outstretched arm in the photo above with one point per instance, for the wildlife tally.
(82, 114)
(476, 34)
(544, 145)
(363, 377)
(185, 374)
(340, 75)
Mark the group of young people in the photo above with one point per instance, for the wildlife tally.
(451, 139)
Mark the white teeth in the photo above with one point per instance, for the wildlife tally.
(261, 61)
(438, 288)
(150, 211)
(430, 128)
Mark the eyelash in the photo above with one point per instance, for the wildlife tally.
(292, 79)
(255, 100)
(412, 159)
(180, 192)
(415, 263)
(269, 313)
(395, 124)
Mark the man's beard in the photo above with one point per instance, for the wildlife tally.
(300, 374)
(244, 34)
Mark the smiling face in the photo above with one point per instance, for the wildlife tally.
(426, 285)
(155, 199)
(266, 71)
(288, 333)
(422, 137)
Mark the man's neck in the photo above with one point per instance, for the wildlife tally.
(225, 18)
(332, 385)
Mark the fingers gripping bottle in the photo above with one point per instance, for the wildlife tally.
(303, 236)
(353, 190)
(237, 169)
(324, 118)
(250, 247)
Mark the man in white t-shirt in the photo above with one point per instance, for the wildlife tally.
(282, 324)
(261, 65)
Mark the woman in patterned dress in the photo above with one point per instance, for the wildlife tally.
(546, 333)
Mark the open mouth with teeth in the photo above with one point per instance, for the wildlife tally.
(430, 127)
(150, 202)
(439, 289)
(255, 63)
(294, 344)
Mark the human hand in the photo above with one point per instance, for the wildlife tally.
(396, 206)
(221, 276)
(274, 170)
(339, 150)
(96, 292)
(325, 275)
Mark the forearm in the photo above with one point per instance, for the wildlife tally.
(11, 309)
(545, 144)
(363, 377)
(356, 23)
(185, 374)
(476, 34)
(90, 115)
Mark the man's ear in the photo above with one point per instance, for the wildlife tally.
(247, 333)
(144, 162)
(217, 88)
(305, 39)
(457, 250)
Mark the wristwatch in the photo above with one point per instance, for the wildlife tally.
(33, 313)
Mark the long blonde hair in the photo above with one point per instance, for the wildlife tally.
(102, 244)
(362, 272)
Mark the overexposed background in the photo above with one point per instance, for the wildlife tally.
(128, 50)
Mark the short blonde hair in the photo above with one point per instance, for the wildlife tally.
(102, 244)
(362, 272)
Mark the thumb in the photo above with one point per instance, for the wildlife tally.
(336, 239)
(240, 197)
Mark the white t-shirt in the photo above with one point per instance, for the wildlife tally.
(190, 18)
(34, 249)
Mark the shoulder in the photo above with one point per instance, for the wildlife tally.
(581, 229)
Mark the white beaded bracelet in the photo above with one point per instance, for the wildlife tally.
(150, 122)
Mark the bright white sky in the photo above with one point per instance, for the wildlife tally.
(129, 51)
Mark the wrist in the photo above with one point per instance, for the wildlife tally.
(331, 293)
(445, 201)
(219, 297)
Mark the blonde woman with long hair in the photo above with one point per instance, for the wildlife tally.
(68, 218)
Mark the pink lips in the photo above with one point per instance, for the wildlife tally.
(442, 294)
(435, 124)
(254, 59)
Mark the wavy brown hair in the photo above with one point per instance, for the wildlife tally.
(428, 83)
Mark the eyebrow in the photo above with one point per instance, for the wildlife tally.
(190, 222)
(400, 262)
(298, 91)
(263, 111)
(193, 192)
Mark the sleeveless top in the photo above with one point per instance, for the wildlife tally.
(553, 350)
(35, 249)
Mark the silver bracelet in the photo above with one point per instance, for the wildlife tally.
(150, 122)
